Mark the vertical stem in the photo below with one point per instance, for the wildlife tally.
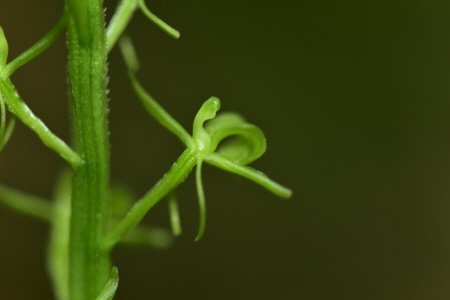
(88, 265)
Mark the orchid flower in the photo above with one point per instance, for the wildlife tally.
(204, 145)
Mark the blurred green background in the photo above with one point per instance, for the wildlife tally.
(353, 97)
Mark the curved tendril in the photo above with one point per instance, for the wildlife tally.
(160, 23)
(174, 214)
(201, 199)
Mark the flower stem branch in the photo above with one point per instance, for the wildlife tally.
(37, 48)
(23, 112)
(26, 204)
(176, 175)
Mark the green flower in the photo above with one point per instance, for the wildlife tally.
(247, 144)
(244, 143)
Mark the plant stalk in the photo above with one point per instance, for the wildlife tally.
(89, 265)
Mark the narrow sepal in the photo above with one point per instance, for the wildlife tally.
(250, 173)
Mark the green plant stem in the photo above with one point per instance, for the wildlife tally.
(37, 48)
(89, 265)
(21, 110)
(26, 204)
(176, 175)
(57, 252)
(163, 117)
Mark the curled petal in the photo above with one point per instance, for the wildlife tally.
(248, 143)
(222, 120)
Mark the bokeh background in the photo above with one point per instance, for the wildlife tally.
(353, 97)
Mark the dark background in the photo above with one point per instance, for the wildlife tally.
(353, 97)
